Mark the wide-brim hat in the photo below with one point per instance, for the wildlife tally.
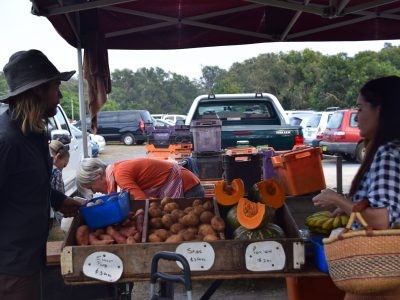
(28, 69)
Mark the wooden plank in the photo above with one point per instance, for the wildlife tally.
(53, 252)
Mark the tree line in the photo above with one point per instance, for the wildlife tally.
(300, 80)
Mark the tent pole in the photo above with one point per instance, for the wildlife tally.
(82, 106)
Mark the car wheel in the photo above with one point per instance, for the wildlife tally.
(128, 139)
(360, 152)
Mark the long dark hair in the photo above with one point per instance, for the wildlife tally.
(383, 92)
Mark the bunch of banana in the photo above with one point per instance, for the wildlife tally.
(322, 222)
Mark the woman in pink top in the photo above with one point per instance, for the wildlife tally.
(143, 177)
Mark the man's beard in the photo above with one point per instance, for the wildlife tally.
(50, 112)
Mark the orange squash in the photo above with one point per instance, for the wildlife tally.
(229, 195)
(250, 214)
(269, 192)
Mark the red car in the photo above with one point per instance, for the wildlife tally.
(342, 136)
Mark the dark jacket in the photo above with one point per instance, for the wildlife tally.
(25, 195)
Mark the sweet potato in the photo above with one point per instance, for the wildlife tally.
(128, 231)
(139, 222)
(98, 232)
(94, 240)
(82, 235)
(130, 240)
(118, 237)
(138, 237)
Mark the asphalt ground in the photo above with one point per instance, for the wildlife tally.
(251, 289)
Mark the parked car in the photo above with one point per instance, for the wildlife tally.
(255, 119)
(157, 116)
(100, 141)
(299, 117)
(127, 126)
(162, 123)
(342, 136)
(175, 118)
(93, 147)
(315, 126)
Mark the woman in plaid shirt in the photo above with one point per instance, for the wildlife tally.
(378, 178)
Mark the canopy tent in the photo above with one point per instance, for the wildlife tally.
(98, 25)
(177, 24)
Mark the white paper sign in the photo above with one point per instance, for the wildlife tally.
(265, 256)
(200, 255)
(104, 266)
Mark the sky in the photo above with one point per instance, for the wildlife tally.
(20, 30)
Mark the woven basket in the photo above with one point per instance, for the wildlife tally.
(364, 261)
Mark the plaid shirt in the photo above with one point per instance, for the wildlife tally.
(381, 184)
(57, 182)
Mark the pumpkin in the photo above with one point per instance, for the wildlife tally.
(231, 218)
(226, 195)
(269, 192)
(269, 231)
(250, 214)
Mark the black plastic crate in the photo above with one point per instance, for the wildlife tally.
(244, 166)
(209, 164)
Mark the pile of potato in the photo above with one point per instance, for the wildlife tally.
(170, 223)
(127, 232)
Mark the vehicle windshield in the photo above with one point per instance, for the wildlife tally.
(314, 121)
(231, 110)
(335, 121)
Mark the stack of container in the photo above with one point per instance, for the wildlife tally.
(244, 163)
(207, 147)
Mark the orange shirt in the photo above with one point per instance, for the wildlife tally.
(138, 174)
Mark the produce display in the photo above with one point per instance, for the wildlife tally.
(229, 195)
(179, 220)
(172, 222)
(269, 231)
(252, 218)
(269, 192)
(127, 232)
(322, 222)
(250, 214)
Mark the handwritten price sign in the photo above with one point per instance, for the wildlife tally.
(200, 255)
(104, 266)
(265, 256)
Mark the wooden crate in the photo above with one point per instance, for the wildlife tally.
(229, 260)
